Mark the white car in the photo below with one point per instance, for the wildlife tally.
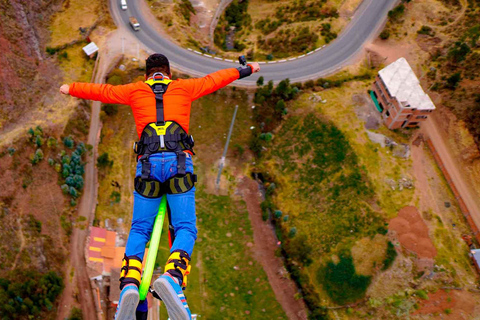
(123, 4)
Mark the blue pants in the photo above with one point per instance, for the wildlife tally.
(182, 206)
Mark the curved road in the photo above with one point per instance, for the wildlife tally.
(365, 24)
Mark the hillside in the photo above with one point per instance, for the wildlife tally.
(42, 150)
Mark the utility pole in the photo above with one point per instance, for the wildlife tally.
(138, 54)
(222, 161)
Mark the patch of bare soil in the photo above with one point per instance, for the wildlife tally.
(455, 304)
(264, 251)
(388, 51)
(427, 43)
(412, 232)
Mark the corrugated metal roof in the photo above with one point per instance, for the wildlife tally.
(403, 84)
(90, 48)
(476, 256)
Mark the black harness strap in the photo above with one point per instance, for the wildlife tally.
(159, 89)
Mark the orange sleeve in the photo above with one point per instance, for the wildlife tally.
(210, 83)
(105, 93)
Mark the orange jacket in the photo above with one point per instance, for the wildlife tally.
(177, 100)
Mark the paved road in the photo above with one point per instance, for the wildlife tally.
(365, 25)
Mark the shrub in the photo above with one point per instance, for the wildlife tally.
(341, 282)
(110, 109)
(260, 81)
(422, 294)
(453, 80)
(385, 34)
(309, 84)
(76, 314)
(68, 142)
(426, 30)
(396, 13)
(103, 161)
(292, 232)
(115, 197)
(390, 256)
(458, 52)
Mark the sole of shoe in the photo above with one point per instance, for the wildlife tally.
(175, 308)
(129, 306)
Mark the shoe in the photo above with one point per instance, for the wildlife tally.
(167, 287)
(127, 303)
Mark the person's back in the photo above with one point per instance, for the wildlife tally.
(161, 108)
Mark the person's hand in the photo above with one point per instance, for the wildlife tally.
(255, 66)
(65, 89)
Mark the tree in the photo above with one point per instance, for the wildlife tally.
(68, 142)
(280, 106)
(260, 81)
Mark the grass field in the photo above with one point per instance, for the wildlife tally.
(75, 14)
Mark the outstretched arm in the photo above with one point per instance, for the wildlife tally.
(105, 93)
(214, 81)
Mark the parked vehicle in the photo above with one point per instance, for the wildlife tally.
(123, 4)
(134, 23)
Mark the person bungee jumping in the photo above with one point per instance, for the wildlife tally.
(161, 108)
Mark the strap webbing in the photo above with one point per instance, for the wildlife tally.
(159, 89)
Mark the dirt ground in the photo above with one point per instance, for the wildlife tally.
(455, 304)
(412, 232)
(264, 249)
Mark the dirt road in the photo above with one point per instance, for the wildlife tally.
(459, 178)
(264, 250)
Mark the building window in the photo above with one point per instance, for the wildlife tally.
(421, 117)
(388, 113)
(413, 123)
(381, 106)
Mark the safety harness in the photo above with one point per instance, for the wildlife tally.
(163, 136)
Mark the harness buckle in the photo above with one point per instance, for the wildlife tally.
(135, 147)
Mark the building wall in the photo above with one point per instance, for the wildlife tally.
(394, 114)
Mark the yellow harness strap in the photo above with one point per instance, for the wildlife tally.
(179, 263)
(131, 271)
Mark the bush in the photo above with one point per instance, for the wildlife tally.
(421, 294)
(115, 197)
(341, 282)
(458, 52)
(453, 80)
(385, 34)
(426, 30)
(110, 109)
(396, 13)
(76, 314)
(260, 81)
(309, 84)
(390, 256)
(103, 161)
(68, 142)
(292, 232)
